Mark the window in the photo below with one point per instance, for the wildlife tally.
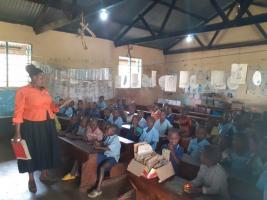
(130, 72)
(13, 59)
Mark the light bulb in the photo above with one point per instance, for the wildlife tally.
(103, 14)
(189, 38)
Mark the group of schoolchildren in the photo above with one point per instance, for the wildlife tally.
(238, 149)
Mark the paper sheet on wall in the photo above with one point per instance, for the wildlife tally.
(153, 78)
(162, 82)
(218, 80)
(118, 82)
(146, 81)
(193, 81)
(134, 81)
(239, 73)
(184, 79)
(170, 83)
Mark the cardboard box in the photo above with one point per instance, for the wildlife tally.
(139, 169)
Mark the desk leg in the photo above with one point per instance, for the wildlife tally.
(88, 173)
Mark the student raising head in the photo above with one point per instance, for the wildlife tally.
(142, 121)
(162, 124)
(176, 150)
(116, 119)
(93, 133)
(197, 144)
(211, 178)
(150, 134)
(107, 159)
(135, 130)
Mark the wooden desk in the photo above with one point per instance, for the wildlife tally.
(171, 189)
(127, 150)
(85, 153)
(152, 190)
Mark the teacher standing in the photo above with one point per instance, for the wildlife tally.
(34, 121)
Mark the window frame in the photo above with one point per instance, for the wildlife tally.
(7, 53)
(129, 64)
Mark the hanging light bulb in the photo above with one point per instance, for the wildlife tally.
(103, 14)
(189, 38)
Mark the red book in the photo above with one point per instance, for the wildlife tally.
(20, 149)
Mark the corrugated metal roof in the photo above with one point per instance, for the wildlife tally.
(122, 15)
(23, 12)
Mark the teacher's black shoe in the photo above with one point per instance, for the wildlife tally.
(32, 186)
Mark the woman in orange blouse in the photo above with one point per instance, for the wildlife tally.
(34, 121)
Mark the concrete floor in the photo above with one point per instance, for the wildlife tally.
(14, 186)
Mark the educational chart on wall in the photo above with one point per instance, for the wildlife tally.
(86, 84)
(257, 88)
(239, 73)
(170, 83)
(184, 79)
(217, 80)
(7, 100)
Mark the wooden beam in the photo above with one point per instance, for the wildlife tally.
(166, 18)
(176, 41)
(198, 41)
(244, 5)
(261, 18)
(217, 32)
(137, 18)
(258, 26)
(218, 9)
(216, 47)
(147, 25)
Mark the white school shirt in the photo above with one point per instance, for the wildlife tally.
(114, 145)
(162, 127)
(213, 180)
(142, 123)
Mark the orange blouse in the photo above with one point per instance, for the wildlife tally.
(33, 104)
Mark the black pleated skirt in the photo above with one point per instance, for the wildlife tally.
(42, 142)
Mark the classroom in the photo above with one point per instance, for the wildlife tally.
(133, 99)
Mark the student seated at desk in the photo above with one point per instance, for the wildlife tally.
(155, 112)
(197, 144)
(239, 156)
(142, 121)
(119, 105)
(226, 127)
(78, 130)
(150, 134)
(116, 119)
(70, 110)
(211, 178)
(169, 115)
(135, 130)
(177, 151)
(107, 159)
(162, 124)
(80, 134)
(80, 108)
(93, 133)
(92, 111)
(108, 115)
(185, 124)
(101, 105)
(131, 113)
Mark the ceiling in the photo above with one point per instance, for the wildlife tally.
(160, 24)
